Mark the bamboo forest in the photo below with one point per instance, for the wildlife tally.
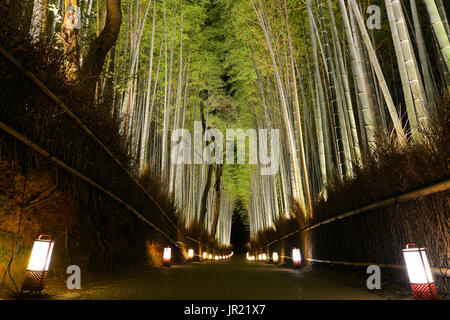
(303, 134)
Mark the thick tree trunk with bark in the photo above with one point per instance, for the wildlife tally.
(218, 194)
(70, 40)
(100, 46)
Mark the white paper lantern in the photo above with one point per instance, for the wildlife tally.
(419, 271)
(190, 254)
(296, 256)
(275, 257)
(167, 256)
(39, 263)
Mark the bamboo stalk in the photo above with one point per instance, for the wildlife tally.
(439, 31)
(382, 81)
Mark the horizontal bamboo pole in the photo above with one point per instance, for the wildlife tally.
(435, 188)
(74, 117)
(443, 272)
(58, 162)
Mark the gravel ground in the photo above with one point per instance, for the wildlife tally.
(231, 280)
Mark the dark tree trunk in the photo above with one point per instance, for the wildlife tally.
(205, 193)
(218, 194)
(100, 46)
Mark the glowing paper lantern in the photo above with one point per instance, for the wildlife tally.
(259, 257)
(275, 257)
(167, 256)
(190, 254)
(205, 255)
(39, 263)
(419, 271)
(210, 256)
(264, 257)
(296, 256)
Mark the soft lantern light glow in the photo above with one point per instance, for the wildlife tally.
(41, 255)
(167, 255)
(210, 256)
(39, 263)
(259, 257)
(205, 255)
(275, 257)
(296, 257)
(264, 257)
(419, 272)
(190, 254)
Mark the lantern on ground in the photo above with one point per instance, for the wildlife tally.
(419, 271)
(210, 256)
(39, 263)
(275, 257)
(190, 254)
(167, 256)
(264, 257)
(296, 256)
(259, 257)
(205, 255)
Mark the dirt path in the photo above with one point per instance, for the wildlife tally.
(233, 280)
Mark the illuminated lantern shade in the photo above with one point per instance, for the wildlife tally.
(275, 257)
(296, 257)
(216, 258)
(38, 265)
(205, 255)
(190, 254)
(210, 256)
(419, 272)
(264, 257)
(259, 257)
(167, 256)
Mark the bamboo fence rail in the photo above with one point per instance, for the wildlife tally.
(435, 188)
